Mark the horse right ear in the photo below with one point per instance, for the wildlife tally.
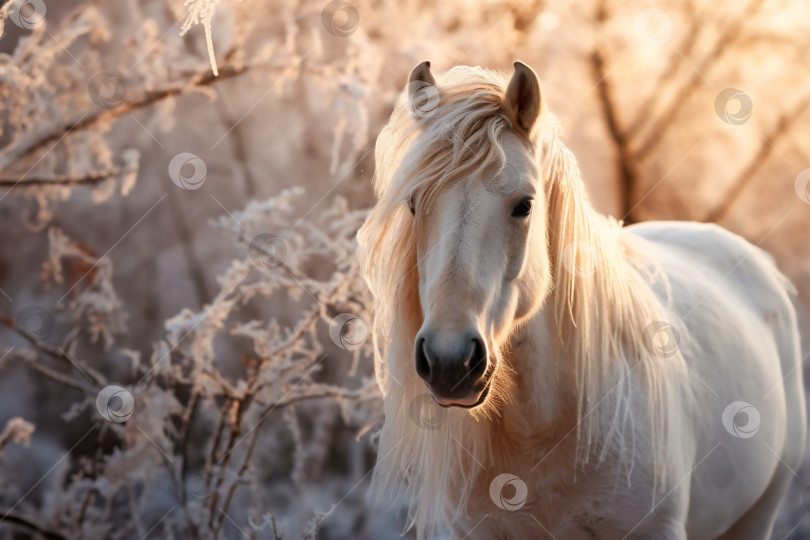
(423, 94)
(522, 102)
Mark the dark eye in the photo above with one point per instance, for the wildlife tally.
(522, 209)
(411, 205)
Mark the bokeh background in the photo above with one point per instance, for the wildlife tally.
(183, 326)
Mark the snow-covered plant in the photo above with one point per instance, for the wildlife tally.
(188, 436)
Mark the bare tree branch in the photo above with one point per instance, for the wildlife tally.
(626, 170)
(674, 62)
(31, 526)
(729, 35)
(184, 87)
(56, 352)
(782, 127)
(89, 179)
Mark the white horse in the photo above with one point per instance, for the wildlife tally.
(595, 381)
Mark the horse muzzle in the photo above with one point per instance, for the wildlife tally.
(454, 366)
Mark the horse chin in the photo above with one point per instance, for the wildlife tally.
(465, 403)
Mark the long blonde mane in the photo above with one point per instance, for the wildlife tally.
(599, 317)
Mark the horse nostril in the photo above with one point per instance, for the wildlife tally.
(422, 361)
(478, 358)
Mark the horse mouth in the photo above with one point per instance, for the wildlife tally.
(467, 403)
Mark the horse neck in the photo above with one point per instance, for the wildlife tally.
(542, 404)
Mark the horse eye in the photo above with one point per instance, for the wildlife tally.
(411, 205)
(522, 209)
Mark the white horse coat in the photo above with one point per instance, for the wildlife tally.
(598, 381)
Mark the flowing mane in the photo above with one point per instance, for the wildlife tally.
(599, 317)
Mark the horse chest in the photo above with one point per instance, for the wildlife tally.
(557, 503)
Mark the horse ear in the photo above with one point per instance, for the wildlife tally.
(422, 76)
(423, 95)
(522, 101)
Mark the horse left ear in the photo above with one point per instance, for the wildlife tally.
(422, 77)
(522, 101)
